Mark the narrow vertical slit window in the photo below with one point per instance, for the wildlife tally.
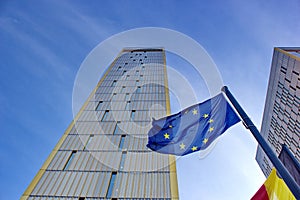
(113, 96)
(132, 114)
(127, 96)
(114, 83)
(88, 141)
(138, 89)
(111, 184)
(105, 115)
(124, 72)
(98, 107)
(122, 160)
(123, 88)
(122, 142)
(128, 105)
(69, 161)
(116, 128)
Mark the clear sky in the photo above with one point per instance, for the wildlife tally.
(43, 43)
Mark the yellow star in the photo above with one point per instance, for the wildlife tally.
(195, 112)
(167, 136)
(211, 121)
(211, 129)
(205, 116)
(194, 148)
(182, 146)
(205, 140)
(170, 126)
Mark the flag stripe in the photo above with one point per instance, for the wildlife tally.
(261, 194)
(274, 188)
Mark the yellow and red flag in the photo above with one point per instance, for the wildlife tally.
(274, 188)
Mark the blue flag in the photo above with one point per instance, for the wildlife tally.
(192, 129)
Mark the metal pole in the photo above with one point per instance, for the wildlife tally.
(288, 179)
(288, 151)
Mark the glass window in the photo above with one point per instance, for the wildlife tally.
(122, 141)
(88, 142)
(113, 96)
(116, 129)
(123, 160)
(69, 160)
(99, 105)
(127, 105)
(111, 184)
(132, 114)
(105, 115)
(127, 96)
(122, 89)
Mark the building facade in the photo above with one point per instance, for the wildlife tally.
(281, 119)
(103, 153)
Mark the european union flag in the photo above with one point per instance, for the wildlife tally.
(192, 129)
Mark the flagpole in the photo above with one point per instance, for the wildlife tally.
(288, 179)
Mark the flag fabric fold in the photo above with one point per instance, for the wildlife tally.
(192, 129)
(274, 188)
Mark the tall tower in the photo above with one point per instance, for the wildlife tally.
(103, 153)
(281, 119)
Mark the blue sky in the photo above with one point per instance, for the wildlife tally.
(43, 44)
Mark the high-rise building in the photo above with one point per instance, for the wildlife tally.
(281, 119)
(103, 153)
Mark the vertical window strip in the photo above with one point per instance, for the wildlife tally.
(116, 130)
(105, 115)
(121, 144)
(127, 105)
(99, 105)
(69, 160)
(111, 184)
(114, 83)
(132, 114)
(122, 160)
(88, 141)
(122, 89)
